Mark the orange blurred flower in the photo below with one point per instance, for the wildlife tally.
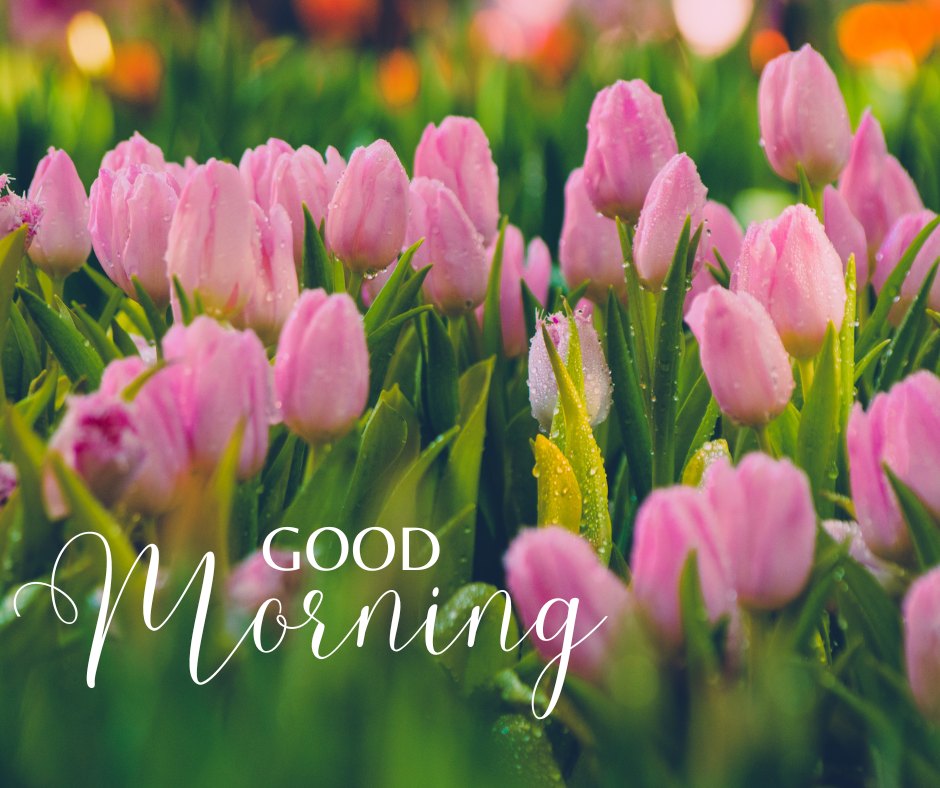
(344, 20)
(555, 57)
(901, 33)
(399, 78)
(767, 44)
(137, 72)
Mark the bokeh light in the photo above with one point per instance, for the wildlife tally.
(90, 44)
(714, 27)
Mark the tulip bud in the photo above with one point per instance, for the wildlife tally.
(922, 643)
(368, 215)
(136, 150)
(901, 429)
(552, 563)
(768, 540)
(156, 411)
(97, 438)
(129, 220)
(62, 242)
(9, 480)
(845, 232)
(803, 119)
(457, 281)
(214, 359)
(896, 243)
(791, 267)
(630, 139)
(589, 249)
(722, 233)
(321, 371)
(457, 153)
(213, 245)
(301, 179)
(676, 194)
(671, 523)
(543, 388)
(874, 184)
(257, 167)
(253, 582)
(743, 358)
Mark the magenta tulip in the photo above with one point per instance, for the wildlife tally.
(845, 232)
(803, 118)
(131, 211)
(321, 371)
(15, 211)
(254, 581)
(896, 243)
(457, 281)
(9, 481)
(61, 243)
(137, 150)
(791, 267)
(922, 643)
(676, 194)
(630, 139)
(722, 234)
(457, 153)
(368, 215)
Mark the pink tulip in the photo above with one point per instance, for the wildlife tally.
(551, 563)
(130, 216)
(722, 233)
(850, 535)
(845, 232)
(543, 388)
(301, 179)
(136, 150)
(768, 540)
(276, 289)
(335, 166)
(61, 243)
(676, 194)
(157, 413)
(803, 119)
(253, 582)
(457, 281)
(213, 246)
(630, 139)
(321, 371)
(9, 481)
(457, 153)
(15, 211)
(791, 267)
(922, 643)
(671, 523)
(181, 173)
(257, 166)
(97, 438)
(224, 381)
(744, 360)
(368, 215)
(589, 249)
(896, 243)
(875, 185)
(902, 430)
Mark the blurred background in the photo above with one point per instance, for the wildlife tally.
(209, 78)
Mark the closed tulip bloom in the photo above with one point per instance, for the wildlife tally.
(768, 540)
(922, 643)
(131, 211)
(630, 139)
(213, 245)
(301, 179)
(845, 232)
(677, 193)
(156, 411)
(216, 360)
(875, 186)
(551, 563)
(136, 150)
(457, 153)
(457, 281)
(98, 439)
(543, 388)
(803, 118)
(61, 243)
(896, 243)
(743, 358)
(901, 429)
(368, 215)
(321, 371)
(254, 581)
(791, 267)
(589, 248)
(722, 233)
(257, 167)
(671, 523)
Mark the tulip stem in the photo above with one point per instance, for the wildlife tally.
(807, 369)
(354, 287)
(58, 288)
(763, 440)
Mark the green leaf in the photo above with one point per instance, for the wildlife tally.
(807, 195)
(847, 343)
(155, 319)
(12, 248)
(186, 308)
(636, 328)
(693, 412)
(628, 398)
(924, 528)
(699, 462)
(492, 322)
(530, 309)
(398, 293)
(78, 360)
(559, 497)
(438, 374)
(32, 364)
(870, 357)
(875, 327)
(106, 349)
(819, 424)
(317, 267)
(35, 404)
(722, 274)
(122, 340)
(699, 645)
